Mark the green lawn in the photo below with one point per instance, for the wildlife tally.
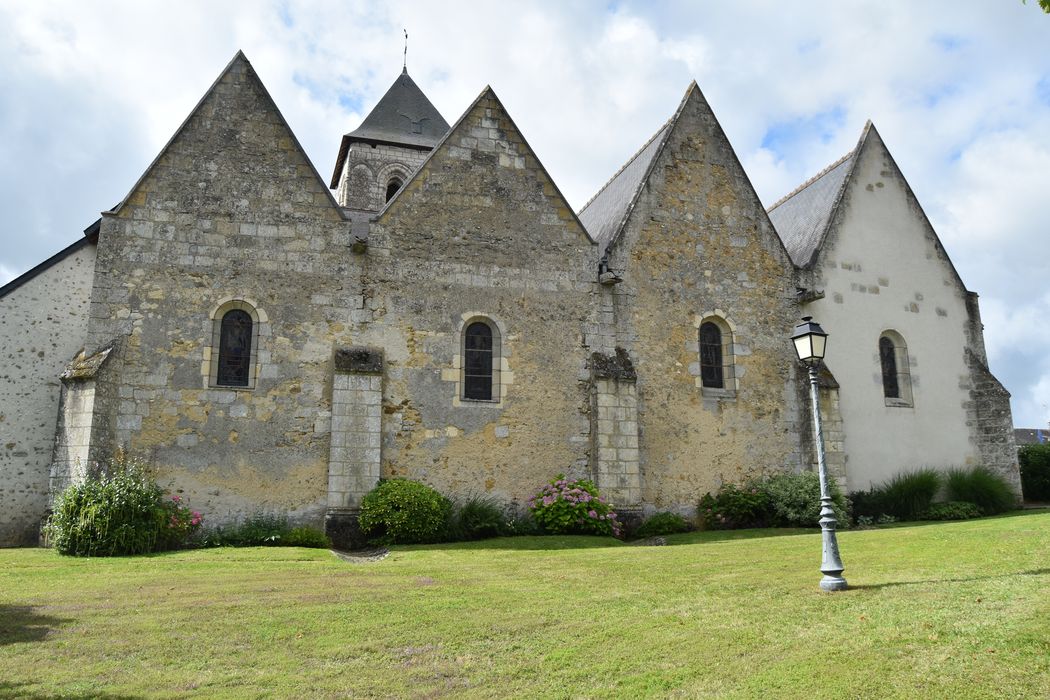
(955, 610)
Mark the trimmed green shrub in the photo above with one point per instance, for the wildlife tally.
(795, 500)
(982, 487)
(908, 495)
(734, 507)
(478, 518)
(573, 507)
(120, 511)
(663, 524)
(399, 511)
(1035, 472)
(951, 510)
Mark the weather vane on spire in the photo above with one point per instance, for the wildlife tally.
(404, 65)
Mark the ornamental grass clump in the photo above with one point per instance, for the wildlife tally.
(573, 507)
(119, 510)
(982, 487)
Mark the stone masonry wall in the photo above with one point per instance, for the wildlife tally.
(698, 243)
(482, 232)
(231, 212)
(44, 321)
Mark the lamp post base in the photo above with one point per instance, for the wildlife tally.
(833, 583)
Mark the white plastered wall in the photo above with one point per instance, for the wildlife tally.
(42, 325)
(881, 270)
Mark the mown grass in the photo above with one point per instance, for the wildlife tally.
(958, 610)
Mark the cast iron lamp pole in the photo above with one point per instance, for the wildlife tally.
(810, 342)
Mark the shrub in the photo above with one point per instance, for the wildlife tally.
(908, 495)
(118, 512)
(982, 487)
(399, 511)
(951, 510)
(663, 524)
(795, 500)
(478, 518)
(305, 536)
(1035, 471)
(573, 507)
(265, 530)
(734, 507)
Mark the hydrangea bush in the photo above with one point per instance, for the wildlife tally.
(573, 506)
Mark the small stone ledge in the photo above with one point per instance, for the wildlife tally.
(618, 366)
(359, 360)
(85, 367)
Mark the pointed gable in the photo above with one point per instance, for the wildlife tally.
(483, 187)
(692, 136)
(235, 149)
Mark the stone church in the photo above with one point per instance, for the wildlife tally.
(446, 316)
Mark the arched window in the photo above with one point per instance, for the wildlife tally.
(231, 361)
(391, 188)
(893, 361)
(235, 349)
(477, 362)
(888, 357)
(712, 368)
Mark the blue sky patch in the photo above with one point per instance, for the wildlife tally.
(949, 42)
(1042, 90)
(782, 137)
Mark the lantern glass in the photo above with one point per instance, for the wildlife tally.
(810, 340)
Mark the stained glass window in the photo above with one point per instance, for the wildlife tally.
(477, 362)
(235, 349)
(712, 371)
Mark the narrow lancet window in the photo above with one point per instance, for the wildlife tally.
(235, 349)
(477, 362)
(888, 357)
(712, 369)
(391, 188)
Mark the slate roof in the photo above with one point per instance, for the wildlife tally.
(802, 217)
(604, 214)
(1031, 436)
(403, 116)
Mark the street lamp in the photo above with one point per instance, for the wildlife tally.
(810, 342)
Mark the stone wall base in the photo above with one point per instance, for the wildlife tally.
(343, 530)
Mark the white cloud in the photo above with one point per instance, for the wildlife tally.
(91, 91)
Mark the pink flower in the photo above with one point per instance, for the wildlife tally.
(592, 514)
(175, 497)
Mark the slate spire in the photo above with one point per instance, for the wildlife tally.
(404, 116)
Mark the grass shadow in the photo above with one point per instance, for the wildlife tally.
(19, 623)
(897, 584)
(562, 542)
(11, 691)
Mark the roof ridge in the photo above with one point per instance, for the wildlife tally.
(811, 180)
(624, 166)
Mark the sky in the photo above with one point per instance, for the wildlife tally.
(959, 90)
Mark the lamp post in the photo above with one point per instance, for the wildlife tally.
(810, 342)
